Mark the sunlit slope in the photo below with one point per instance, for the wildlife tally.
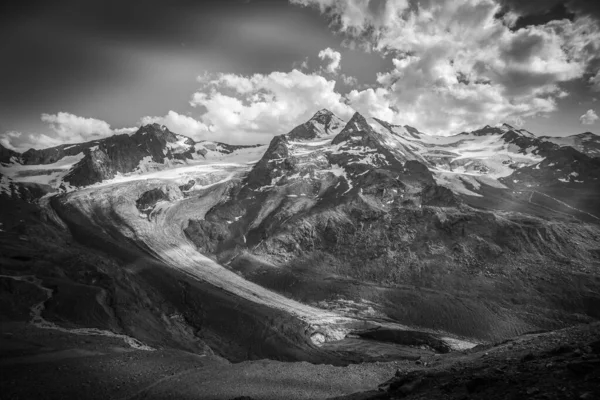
(110, 211)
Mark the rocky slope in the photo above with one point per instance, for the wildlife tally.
(150, 148)
(552, 365)
(586, 143)
(367, 216)
(339, 242)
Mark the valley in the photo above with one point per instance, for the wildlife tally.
(312, 267)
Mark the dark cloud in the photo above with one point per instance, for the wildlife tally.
(539, 12)
(524, 46)
(585, 7)
(121, 60)
(539, 17)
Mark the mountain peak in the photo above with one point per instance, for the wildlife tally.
(322, 111)
(491, 130)
(357, 124)
(153, 127)
(588, 135)
(323, 123)
(158, 131)
(358, 119)
(7, 154)
(326, 118)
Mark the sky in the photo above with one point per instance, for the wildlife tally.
(242, 71)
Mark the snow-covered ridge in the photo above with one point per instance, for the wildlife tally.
(587, 143)
(461, 162)
(45, 174)
(153, 149)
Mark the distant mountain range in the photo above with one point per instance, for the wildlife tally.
(500, 157)
(64, 168)
(325, 245)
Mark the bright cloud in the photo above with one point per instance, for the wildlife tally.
(356, 16)
(72, 127)
(457, 65)
(8, 138)
(66, 128)
(333, 59)
(181, 124)
(20, 141)
(251, 109)
(590, 117)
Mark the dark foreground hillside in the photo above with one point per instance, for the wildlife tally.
(562, 364)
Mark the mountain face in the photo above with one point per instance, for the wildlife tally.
(586, 143)
(66, 167)
(390, 205)
(124, 154)
(6, 155)
(324, 123)
(339, 242)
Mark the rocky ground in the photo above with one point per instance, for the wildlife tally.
(40, 364)
(331, 265)
(563, 364)
(43, 364)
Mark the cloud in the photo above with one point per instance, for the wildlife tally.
(358, 15)
(19, 141)
(349, 80)
(301, 65)
(252, 109)
(71, 127)
(65, 128)
(540, 7)
(595, 82)
(589, 118)
(181, 124)
(124, 131)
(333, 58)
(459, 64)
(8, 138)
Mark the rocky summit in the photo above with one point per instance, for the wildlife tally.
(341, 256)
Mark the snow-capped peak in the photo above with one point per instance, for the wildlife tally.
(324, 123)
(357, 123)
(322, 111)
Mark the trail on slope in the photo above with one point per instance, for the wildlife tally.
(40, 322)
(561, 203)
(568, 206)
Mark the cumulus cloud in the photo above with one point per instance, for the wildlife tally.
(590, 117)
(333, 59)
(71, 127)
(125, 131)
(461, 64)
(251, 109)
(8, 138)
(65, 127)
(181, 124)
(19, 141)
(349, 80)
(358, 15)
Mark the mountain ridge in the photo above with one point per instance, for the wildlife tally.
(503, 156)
(367, 242)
